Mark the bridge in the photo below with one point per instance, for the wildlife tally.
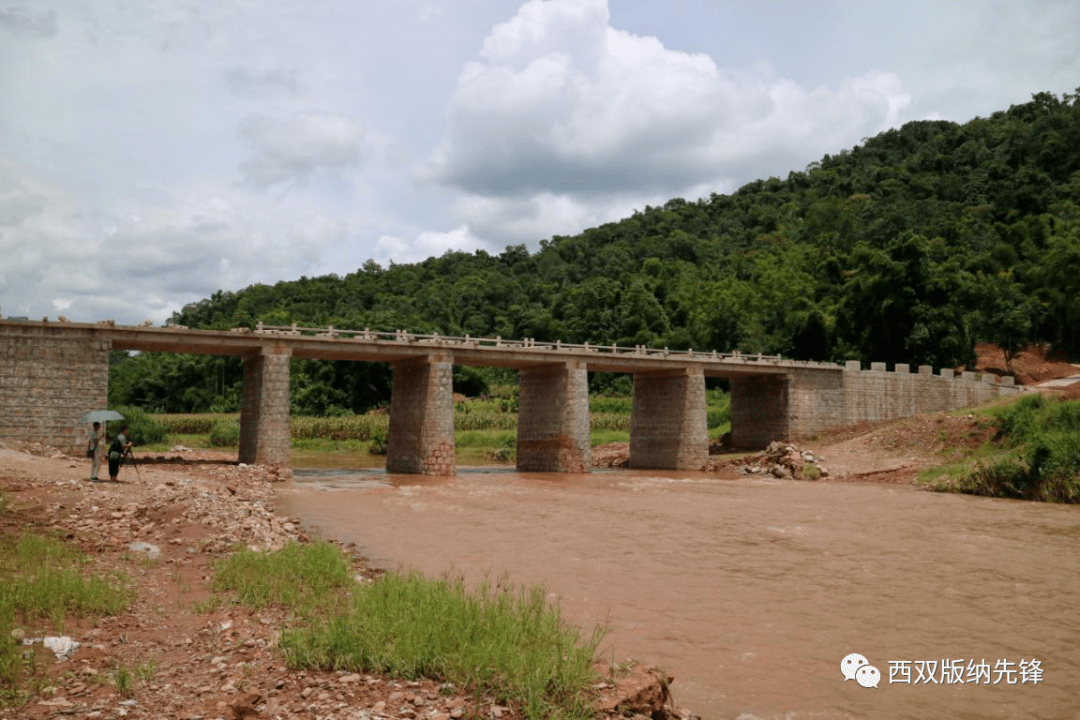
(51, 373)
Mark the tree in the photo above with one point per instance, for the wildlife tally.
(1008, 314)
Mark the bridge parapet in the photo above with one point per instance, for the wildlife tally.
(531, 344)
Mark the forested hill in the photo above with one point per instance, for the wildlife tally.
(908, 248)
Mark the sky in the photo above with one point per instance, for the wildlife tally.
(155, 152)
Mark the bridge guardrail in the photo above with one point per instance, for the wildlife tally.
(402, 336)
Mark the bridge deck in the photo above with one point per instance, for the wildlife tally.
(371, 346)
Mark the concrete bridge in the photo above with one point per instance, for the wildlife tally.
(51, 373)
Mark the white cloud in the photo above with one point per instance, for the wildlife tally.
(427, 244)
(562, 105)
(294, 149)
(258, 84)
(21, 21)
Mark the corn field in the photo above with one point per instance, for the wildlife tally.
(473, 416)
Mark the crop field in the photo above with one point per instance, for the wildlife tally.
(485, 428)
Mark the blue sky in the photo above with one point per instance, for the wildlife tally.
(154, 152)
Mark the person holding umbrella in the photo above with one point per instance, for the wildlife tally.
(97, 445)
(99, 418)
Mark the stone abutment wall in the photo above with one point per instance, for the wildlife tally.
(48, 381)
(818, 401)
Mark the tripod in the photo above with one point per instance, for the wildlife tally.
(128, 456)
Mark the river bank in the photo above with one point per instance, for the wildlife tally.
(179, 650)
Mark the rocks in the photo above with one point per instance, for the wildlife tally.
(615, 454)
(61, 646)
(638, 691)
(151, 552)
(785, 461)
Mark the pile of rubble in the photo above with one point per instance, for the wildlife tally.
(614, 454)
(782, 460)
(228, 505)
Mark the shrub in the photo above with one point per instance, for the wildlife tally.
(378, 443)
(225, 433)
(145, 430)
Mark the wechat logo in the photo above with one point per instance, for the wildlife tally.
(858, 668)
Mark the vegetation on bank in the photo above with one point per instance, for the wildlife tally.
(485, 428)
(504, 641)
(906, 249)
(1035, 454)
(44, 582)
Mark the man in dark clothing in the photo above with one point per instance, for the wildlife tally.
(120, 445)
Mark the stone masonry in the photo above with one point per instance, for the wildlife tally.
(421, 437)
(51, 374)
(48, 381)
(817, 401)
(759, 410)
(669, 424)
(265, 419)
(553, 419)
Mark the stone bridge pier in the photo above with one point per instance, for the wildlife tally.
(669, 423)
(553, 418)
(421, 440)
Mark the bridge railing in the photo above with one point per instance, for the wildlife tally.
(401, 336)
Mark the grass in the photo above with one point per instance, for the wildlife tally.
(508, 642)
(305, 578)
(43, 581)
(1035, 454)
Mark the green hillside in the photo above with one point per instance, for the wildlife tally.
(908, 248)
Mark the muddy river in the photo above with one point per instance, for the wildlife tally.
(751, 592)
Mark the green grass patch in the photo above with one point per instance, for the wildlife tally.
(603, 437)
(507, 642)
(504, 641)
(44, 580)
(306, 578)
(1035, 455)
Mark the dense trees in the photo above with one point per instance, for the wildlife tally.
(908, 248)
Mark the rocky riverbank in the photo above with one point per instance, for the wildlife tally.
(180, 650)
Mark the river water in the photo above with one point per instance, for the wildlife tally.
(751, 592)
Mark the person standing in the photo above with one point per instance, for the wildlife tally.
(120, 445)
(97, 446)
